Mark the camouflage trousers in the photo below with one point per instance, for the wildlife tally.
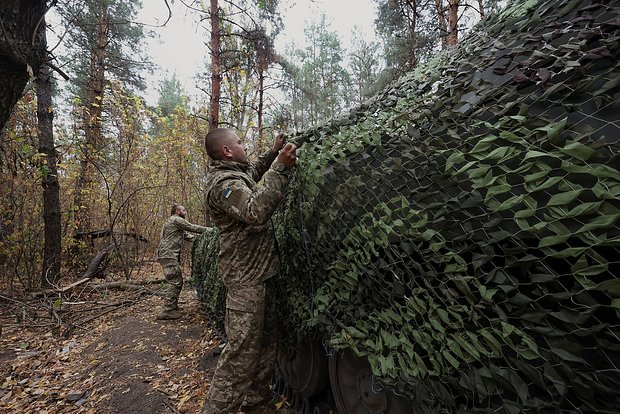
(244, 370)
(174, 277)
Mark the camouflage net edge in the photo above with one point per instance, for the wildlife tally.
(206, 277)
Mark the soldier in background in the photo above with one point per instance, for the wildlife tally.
(175, 230)
(248, 262)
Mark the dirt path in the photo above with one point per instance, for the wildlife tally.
(123, 362)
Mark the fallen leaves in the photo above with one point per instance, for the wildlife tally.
(125, 357)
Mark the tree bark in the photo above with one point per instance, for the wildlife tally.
(49, 180)
(21, 50)
(453, 21)
(93, 109)
(412, 14)
(261, 104)
(216, 76)
(443, 25)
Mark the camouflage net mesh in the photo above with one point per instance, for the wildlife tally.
(460, 230)
(206, 278)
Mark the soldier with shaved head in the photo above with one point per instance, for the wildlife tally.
(248, 262)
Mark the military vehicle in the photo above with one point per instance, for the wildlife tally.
(453, 244)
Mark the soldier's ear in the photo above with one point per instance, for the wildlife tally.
(226, 151)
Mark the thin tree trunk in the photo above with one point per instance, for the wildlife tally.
(92, 112)
(453, 21)
(264, 56)
(216, 76)
(412, 15)
(80, 202)
(261, 103)
(51, 190)
(443, 26)
(481, 8)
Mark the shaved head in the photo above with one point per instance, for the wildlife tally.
(214, 141)
(225, 145)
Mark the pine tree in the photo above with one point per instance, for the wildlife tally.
(105, 46)
(49, 174)
(171, 95)
(319, 81)
(364, 66)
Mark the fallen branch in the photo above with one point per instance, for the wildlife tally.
(126, 283)
(167, 401)
(169, 405)
(74, 284)
(121, 284)
(61, 290)
(96, 268)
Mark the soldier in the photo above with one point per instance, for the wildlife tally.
(248, 262)
(174, 231)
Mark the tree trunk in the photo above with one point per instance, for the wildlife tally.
(453, 21)
(443, 25)
(481, 8)
(412, 14)
(21, 51)
(93, 109)
(216, 76)
(49, 180)
(261, 103)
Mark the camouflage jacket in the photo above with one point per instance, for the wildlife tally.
(241, 210)
(173, 232)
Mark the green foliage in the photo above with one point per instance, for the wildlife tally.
(246, 52)
(319, 81)
(409, 33)
(171, 95)
(93, 24)
(364, 67)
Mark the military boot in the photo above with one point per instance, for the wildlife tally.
(168, 314)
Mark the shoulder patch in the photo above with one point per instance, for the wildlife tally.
(227, 193)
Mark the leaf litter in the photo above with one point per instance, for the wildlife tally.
(124, 361)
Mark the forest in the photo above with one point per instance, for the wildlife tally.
(90, 168)
(83, 154)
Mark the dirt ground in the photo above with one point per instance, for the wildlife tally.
(53, 359)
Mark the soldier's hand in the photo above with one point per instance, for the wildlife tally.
(287, 155)
(278, 143)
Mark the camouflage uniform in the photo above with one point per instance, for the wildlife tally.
(173, 233)
(248, 260)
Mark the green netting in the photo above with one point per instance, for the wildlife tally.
(206, 279)
(460, 230)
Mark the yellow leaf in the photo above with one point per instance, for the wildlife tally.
(183, 401)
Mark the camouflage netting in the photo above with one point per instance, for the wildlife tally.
(206, 279)
(460, 230)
